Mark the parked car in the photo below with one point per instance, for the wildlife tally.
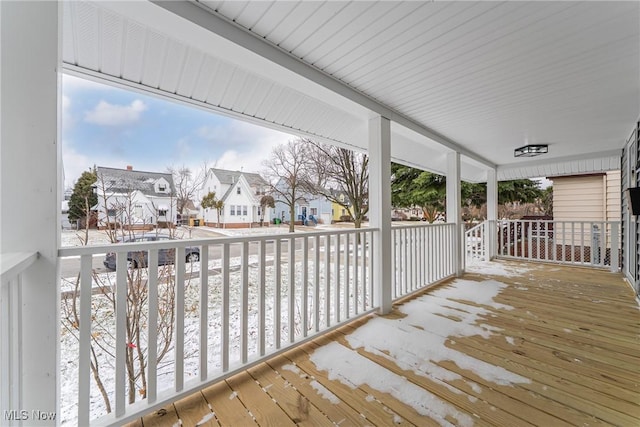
(137, 259)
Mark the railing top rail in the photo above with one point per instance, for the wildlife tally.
(183, 243)
(422, 225)
(475, 227)
(561, 221)
(14, 263)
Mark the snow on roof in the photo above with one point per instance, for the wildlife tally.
(124, 180)
(231, 177)
(417, 342)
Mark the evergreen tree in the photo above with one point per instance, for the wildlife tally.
(83, 197)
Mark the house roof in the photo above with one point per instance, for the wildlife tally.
(231, 177)
(124, 180)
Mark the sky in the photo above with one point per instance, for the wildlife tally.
(106, 126)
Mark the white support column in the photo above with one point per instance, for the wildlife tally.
(380, 208)
(29, 190)
(454, 207)
(492, 213)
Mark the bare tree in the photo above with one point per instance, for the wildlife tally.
(187, 183)
(342, 176)
(287, 172)
(119, 221)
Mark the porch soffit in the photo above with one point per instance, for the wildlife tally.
(489, 76)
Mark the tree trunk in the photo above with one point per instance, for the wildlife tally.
(292, 218)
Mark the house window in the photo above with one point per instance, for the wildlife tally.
(344, 212)
(259, 211)
(233, 210)
(162, 212)
(244, 210)
(162, 188)
(314, 211)
(111, 212)
(238, 190)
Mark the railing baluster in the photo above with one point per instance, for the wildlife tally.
(224, 318)
(327, 280)
(573, 253)
(316, 284)
(84, 364)
(346, 277)
(277, 304)
(152, 345)
(179, 307)
(336, 266)
(244, 309)
(291, 294)
(357, 244)
(121, 332)
(261, 297)
(364, 271)
(204, 312)
(372, 296)
(582, 248)
(394, 262)
(305, 286)
(405, 262)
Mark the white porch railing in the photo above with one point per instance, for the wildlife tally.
(12, 267)
(248, 298)
(587, 243)
(476, 243)
(421, 255)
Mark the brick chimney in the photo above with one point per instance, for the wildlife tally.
(129, 167)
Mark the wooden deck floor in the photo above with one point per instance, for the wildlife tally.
(574, 333)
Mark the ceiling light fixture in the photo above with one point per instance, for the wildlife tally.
(531, 150)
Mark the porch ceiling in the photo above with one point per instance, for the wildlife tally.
(479, 77)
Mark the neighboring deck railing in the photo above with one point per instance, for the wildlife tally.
(476, 244)
(12, 268)
(421, 255)
(586, 243)
(256, 297)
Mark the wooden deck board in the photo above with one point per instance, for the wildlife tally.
(228, 409)
(573, 332)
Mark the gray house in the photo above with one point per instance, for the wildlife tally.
(135, 199)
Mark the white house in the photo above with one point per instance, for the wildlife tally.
(240, 193)
(132, 198)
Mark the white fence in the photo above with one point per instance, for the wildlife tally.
(247, 299)
(476, 243)
(12, 269)
(421, 255)
(586, 243)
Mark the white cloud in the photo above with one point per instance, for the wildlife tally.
(107, 114)
(252, 145)
(74, 164)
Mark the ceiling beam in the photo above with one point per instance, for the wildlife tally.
(201, 16)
